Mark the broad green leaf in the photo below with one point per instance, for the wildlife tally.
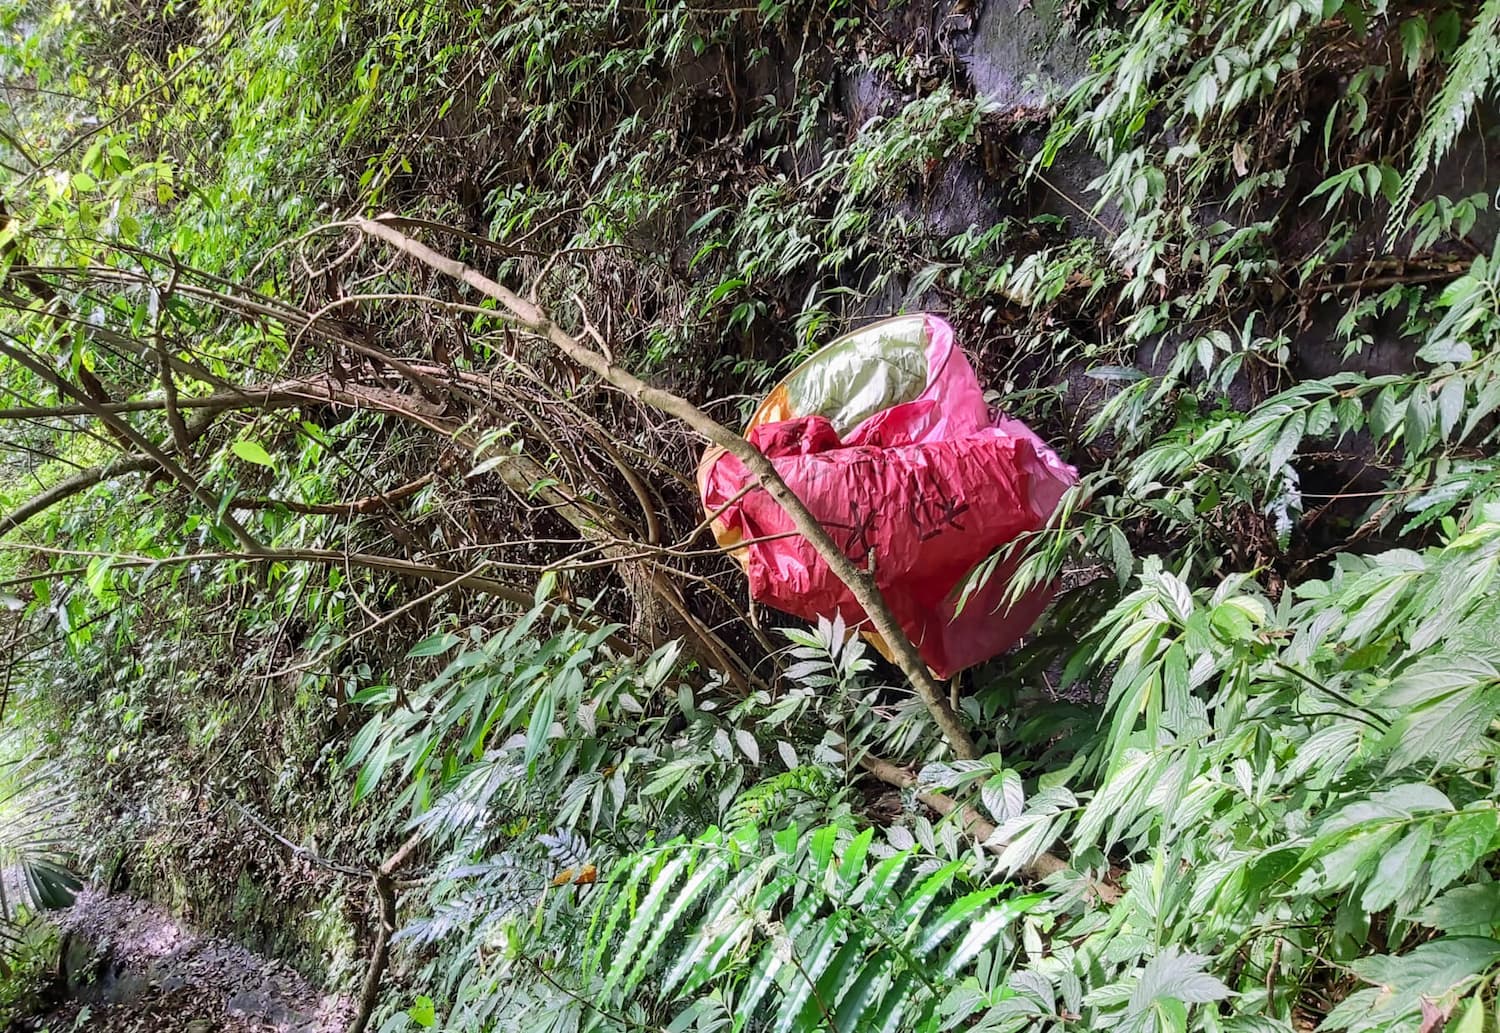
(1466, 910)
(1431, 968)
(1467, 837)
(1471, 1018)
(1398, 868)
(423, 1012)
(251, 452)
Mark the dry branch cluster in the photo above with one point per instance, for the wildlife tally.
(559, 453)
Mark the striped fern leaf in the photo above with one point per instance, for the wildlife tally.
(797, 931)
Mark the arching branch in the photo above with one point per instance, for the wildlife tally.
(70, 486)
(128, 433)
(859, 582)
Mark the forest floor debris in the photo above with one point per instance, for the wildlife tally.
(131, 967)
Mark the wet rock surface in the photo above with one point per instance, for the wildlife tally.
(128, 965)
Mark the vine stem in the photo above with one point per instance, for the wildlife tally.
(859, 582)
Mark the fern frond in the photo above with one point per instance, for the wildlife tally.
(1473, 76)
(808, 986)
(806, 936)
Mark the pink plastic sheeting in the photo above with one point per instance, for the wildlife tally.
(920, 493)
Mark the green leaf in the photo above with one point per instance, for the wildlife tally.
(1383, 413)
(835, 982)
(955, 914)
(1176, 974)
(643, 922)
(777, 954)
(748, 746)
(820, 847)
(862, 992)
(1466, 838)
(1431, 968)
(1112, 373)
(1418, 423)
(1287, 442)
(810, 969)
(704, 219)
(622, 887)
(1447, 349)
(434, 645)
(1466, 910)
(1120, 555)
(851, 865)
(1472, 1019)
(1450, 405)
(423, 1013)
(980, 934)
(539, 727)
(374, 768)
(359, 748)
(723, 290)
(707, 877)
(1397, 869)
(251, 452)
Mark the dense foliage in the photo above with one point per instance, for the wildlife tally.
(318, 569)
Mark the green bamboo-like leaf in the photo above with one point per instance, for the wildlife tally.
(737, 931)
(374, 768)
(937, 931)
(820, 847)
(51, 885)
(979, 934)
(894, 1003)
(878, 886)
(833, 984)
(434, 645)
(540, 726)
(864, 990)
(851, 866)
(777, 953)
(359, 748)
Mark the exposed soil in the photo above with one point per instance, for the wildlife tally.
(130, 967)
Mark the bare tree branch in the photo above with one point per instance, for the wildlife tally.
(859, 582)
(369, 504)
(138, 440)
(70, 486)
(85, 479)
(164, 371)
(446, 576)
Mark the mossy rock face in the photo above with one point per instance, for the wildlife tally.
(1024, 55)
